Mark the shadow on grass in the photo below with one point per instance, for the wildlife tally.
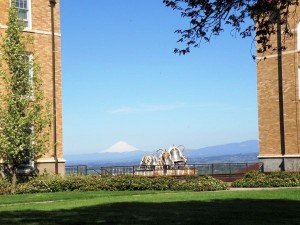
(240, 212)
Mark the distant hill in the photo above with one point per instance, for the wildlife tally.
(126, 158)
(246, 151)
(236, 158)
(245, 147)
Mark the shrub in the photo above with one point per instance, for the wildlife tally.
(161, 183)
(203, 183)
(274, 179)
(141, 183)
(5, 187)
(118, 183)
(209, 184)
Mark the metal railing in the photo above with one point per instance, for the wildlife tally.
(191, 169)
(77, 170)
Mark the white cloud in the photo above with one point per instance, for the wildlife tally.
(122, 110)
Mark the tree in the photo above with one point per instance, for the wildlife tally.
(24, 117)
(208, 18)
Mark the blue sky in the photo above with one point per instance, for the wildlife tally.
(121, 80)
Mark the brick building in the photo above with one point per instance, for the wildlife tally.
(36, 15)
(271, 153)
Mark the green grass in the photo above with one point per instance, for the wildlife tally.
(281, 206)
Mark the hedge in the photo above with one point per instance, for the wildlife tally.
(117, 183)
(255, 179)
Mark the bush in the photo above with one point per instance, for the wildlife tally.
(275, 179)
(209, 184)
(5, 187)
(118, 183)
(203, 183)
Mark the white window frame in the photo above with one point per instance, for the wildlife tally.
(30, 72)
(29, 25)
(30, 58)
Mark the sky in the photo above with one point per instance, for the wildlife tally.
(122, 81)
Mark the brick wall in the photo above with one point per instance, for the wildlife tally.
(268, 103)
(42, 48)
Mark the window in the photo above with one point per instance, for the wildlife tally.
(23, 7)
(29, 58)
(30, 72)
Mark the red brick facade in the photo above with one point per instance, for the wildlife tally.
(40, 30)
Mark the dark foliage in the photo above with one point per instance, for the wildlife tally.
(208, 18)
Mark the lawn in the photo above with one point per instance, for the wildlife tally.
(281, 206)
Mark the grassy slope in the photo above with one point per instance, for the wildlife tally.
(240, 207)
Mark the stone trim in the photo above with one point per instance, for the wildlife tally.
(275, 55)
(277, 156)
(34, 31)
(45, 160)
(50, 160)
